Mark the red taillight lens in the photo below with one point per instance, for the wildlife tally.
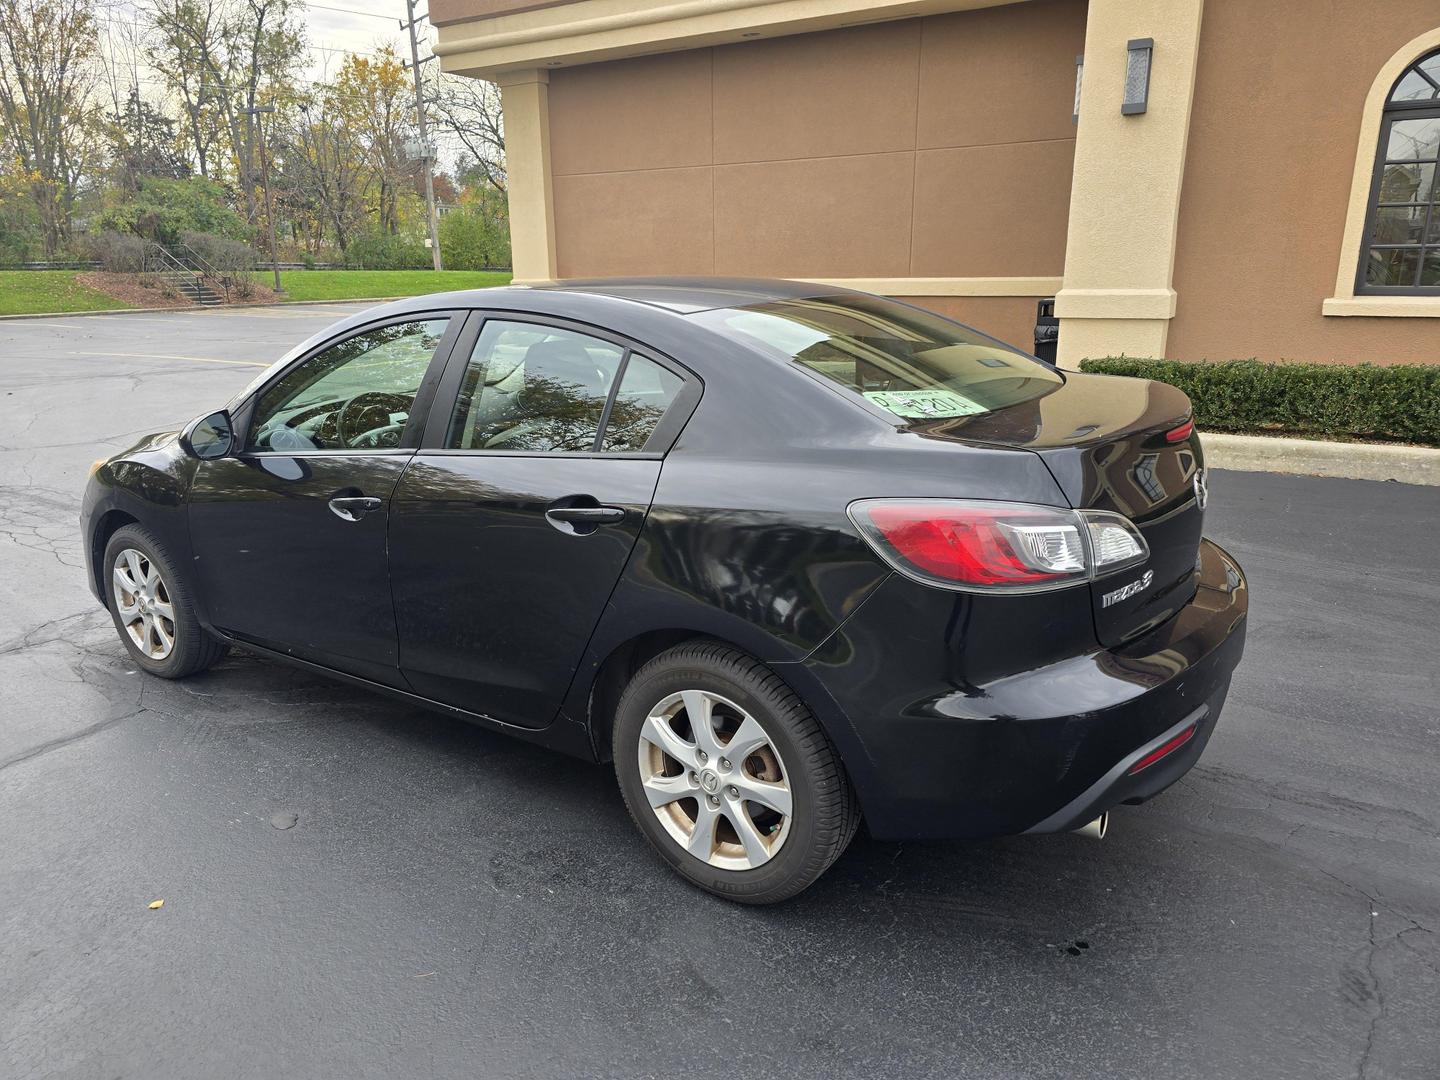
(1165, 749)
(997, 546)
(983, 545)
(1181, 433)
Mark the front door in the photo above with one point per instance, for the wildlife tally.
(516, 518)
(290, 533)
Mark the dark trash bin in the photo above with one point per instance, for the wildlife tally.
(1047, 330)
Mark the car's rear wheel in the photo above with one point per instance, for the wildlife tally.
(729, 775)
(153, 609)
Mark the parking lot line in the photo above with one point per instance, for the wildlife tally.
(97, 354)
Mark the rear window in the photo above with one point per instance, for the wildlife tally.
(908, 362)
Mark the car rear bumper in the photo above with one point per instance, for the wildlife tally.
(935, 755)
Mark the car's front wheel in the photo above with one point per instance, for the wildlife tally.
(153, 609)
(729, 775)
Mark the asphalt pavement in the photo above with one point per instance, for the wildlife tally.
(354, 888)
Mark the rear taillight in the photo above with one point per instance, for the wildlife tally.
(1181, 433)
(997, 547)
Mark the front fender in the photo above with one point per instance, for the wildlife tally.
(146, 484)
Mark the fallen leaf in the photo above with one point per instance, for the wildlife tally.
(156, 904)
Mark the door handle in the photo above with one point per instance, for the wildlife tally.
(354, 507)
(586, 515)
(582, 520)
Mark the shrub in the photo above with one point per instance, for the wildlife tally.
(383, 251)
(224, 254)
(476, 234)
(1366, 401)
(118, 253)
(22, 236)
(161, 209)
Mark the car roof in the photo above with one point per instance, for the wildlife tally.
(691, 294)
(678, 295)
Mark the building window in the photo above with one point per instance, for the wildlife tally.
(1402, 230)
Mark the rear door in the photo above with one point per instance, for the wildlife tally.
(512, 525)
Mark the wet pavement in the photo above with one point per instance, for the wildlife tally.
(355, 888)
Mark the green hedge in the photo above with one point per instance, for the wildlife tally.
(1393, 404)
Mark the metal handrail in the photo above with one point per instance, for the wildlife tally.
(225, 281)
(153, 255)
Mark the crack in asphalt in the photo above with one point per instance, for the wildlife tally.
(66, 740)
(78, 621)
(1365, 988)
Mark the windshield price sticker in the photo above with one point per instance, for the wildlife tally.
(924, 404)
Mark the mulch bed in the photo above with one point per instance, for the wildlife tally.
(128, 289)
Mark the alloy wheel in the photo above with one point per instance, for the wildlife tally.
(715, 780)
(142, 600)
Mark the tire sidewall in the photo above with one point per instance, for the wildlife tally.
(639, 698)
(186, 628)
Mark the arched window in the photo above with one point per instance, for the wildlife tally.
(1401, 255)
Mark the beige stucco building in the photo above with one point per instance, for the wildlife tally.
(932, 150)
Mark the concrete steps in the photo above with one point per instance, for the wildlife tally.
(191, 287)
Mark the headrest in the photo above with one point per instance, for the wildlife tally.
(563, 360)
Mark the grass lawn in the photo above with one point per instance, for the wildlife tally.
(364, 284)
(24, 292)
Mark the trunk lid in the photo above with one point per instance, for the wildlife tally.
(1103, 438)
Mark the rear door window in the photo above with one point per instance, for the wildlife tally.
(535, 388)
(645, 392)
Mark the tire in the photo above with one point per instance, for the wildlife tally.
(163, 589)
(657, 751)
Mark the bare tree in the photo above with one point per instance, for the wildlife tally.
(185, 36)
(326, 169)
(47, 78)
(372, 97)
(223, 57)
(468, 110)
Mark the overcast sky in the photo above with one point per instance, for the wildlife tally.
(364, 26)
(333, 27)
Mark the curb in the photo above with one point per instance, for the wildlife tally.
(191, 310)
(1310, 457)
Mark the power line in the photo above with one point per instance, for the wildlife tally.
(350, 11)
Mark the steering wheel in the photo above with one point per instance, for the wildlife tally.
(370, 399)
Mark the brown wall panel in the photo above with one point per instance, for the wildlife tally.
(649, 113)
(992, 210)
(1009, 318)
(654, 222)
(817, 95)
(1278, 97)
(824, 217)
(812, 141)
(1001, 75)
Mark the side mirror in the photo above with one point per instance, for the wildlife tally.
(209, 437)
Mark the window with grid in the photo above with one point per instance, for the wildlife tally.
(1402, 252)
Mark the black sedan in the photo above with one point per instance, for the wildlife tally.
(787, 555)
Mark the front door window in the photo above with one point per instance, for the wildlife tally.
(357, 394)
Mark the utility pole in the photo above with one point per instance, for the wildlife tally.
(256, 111)
(426, 157)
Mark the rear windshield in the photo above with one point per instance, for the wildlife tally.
(903, 360)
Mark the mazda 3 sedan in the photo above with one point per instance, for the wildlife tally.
(788, 556)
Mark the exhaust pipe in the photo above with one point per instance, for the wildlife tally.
(1096, 829)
